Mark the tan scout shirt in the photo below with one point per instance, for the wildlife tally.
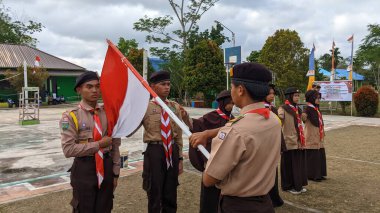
(312, 137)
(289, 130)
(80, 143)
(152, 124)
(245, 154)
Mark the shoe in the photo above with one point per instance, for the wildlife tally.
(303, 190)
(294, 192)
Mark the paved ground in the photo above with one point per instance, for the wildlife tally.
(32, 154)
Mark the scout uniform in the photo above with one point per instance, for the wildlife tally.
(274, 193)
(245, 152)
(293, 161)
(160, 172)
(77, 139)
(314, 135)
(209, 198)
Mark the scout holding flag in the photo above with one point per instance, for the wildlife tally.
(96, 165)
(245, 152)
(209, 198)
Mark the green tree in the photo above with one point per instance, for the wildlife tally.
(325, 60)
(129, 48)
(187, 13)
(36, 77)
(17, 32)
(254, 56)
(204, 70)
(285, 55)
(368, 55)
(125, 45)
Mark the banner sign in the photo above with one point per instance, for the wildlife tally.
(336, 90)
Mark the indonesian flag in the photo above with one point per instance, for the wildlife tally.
(37, 61)
(351, 38)
(125, 98)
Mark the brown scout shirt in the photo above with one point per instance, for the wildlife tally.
(245, 154)
(289, 130)
(80, 143)
(312, 137)
(152, 124)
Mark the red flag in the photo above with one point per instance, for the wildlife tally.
(37, 61)
(125, 98)
(351, 38)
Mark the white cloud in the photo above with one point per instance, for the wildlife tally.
(76, 30)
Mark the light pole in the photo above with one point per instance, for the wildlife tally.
(233, 44)
(233, 34)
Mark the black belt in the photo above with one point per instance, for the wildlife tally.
(245, 198)
(105, 155)
(157, 142)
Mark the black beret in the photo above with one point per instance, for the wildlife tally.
(251, 73)
(159, 76)
(291, 90)
(223, 94)
(85, 77)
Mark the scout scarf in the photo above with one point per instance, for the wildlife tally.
(221, 114)
(97, 136)
(315, 122)
(166, 136)
(261, 111)
(299, 126)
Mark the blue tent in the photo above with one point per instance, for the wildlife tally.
(156, 63)
(342, 73)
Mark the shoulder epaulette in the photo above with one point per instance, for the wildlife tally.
(236, 119)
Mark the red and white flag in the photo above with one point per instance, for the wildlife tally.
(125, 98)
(37, 61)
(351, 38)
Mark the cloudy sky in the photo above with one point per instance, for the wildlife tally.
(76, 30)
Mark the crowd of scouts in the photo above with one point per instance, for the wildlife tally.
(241, 174)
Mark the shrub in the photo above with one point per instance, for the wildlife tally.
(366, 101)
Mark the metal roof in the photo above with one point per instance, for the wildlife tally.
(12, 56)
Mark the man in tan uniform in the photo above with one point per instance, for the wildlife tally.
(163, 156)
(83, 136)
(245, 153)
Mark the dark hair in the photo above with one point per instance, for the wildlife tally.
(251, 91)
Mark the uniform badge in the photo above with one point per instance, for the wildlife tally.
(65, 123)
(222, 135)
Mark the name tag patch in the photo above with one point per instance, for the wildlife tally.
(222, 135)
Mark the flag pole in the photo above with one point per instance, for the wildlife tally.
(184, 128)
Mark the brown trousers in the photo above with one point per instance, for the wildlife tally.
(87, 197)
(257, 204)
(159, 182)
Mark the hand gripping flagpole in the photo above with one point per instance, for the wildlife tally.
(184, 128)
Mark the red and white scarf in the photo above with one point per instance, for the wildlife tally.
(265, 112)
(299, 123)
(222, 114)
(97, 136)
(321, 130)
(166, 136)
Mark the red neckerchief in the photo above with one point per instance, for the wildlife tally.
(321, 131)
(97, 136)
(166, 136)
(265, 112)
(221, 114)
(299, 122)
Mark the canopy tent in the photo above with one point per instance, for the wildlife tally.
(342, 74)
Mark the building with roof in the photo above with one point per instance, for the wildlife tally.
(62, 73)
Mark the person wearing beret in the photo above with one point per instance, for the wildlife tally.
(163, 159)
(245, 152)
(215, 119)
(96, 166)
(274, 193)
(314, 135)
(293, 161)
